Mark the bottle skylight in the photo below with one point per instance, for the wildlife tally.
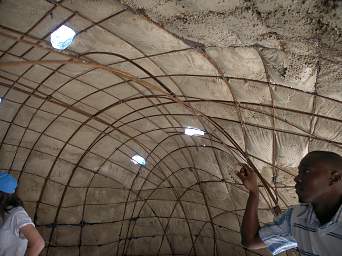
(191, 131)
(138, 160)
(62, 37)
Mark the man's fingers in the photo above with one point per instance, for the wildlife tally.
(240, 175)
(244, 171)
(243, 166)
(248, 169)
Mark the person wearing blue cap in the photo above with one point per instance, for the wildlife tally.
(18, 235)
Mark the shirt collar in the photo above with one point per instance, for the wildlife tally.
(338, 216)
(312, 218)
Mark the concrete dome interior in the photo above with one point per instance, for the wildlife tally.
(261, 78)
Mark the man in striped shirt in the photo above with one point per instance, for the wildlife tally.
(315, 225)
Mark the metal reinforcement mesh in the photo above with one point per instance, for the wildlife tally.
(70, 122)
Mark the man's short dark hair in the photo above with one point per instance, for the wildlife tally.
(330, 159)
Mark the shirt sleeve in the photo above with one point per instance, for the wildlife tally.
(278, 235)
(20, 220)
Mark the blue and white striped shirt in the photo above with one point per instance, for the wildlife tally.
(299, 227)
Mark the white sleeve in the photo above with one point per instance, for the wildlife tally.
(20, 220)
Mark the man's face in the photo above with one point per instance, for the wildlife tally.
(312, 181)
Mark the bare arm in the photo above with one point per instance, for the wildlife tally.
(250, 223)
(35, 241)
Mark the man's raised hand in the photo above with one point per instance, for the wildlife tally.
(248, 178)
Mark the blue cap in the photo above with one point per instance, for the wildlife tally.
(8, 183)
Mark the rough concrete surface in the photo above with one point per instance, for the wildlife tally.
(261, 78)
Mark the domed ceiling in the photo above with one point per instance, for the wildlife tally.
(261, 79)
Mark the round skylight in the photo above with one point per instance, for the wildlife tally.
(62, 37)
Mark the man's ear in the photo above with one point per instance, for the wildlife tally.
(335, 177)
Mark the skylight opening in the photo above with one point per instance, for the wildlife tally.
(138, 160)
(193, 131)
(62, 37)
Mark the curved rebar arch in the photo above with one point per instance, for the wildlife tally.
(157, 104)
